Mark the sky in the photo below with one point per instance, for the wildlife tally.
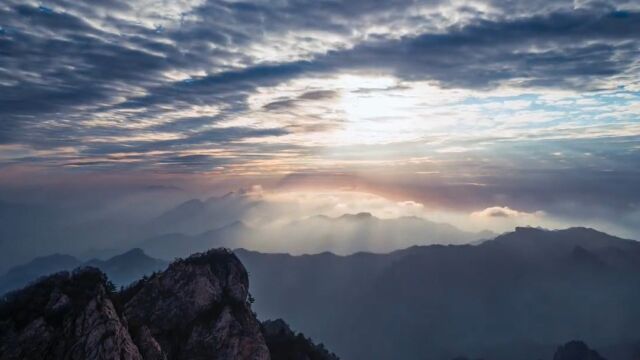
(517, 112)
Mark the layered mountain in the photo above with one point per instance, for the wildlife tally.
(122, 269)
(125, 268)
(166, 230)
(517, 296)
(172, 245)
(352, 233)
(43, 227)
(344, 235)
(197, 308)
(27, 230)
(196, 216)
(21, 275)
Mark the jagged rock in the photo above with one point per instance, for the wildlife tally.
(576, 350)
(65, 315)
(196, 309)
(148, 346)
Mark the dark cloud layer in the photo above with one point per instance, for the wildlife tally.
(68, 62)
(576, 49)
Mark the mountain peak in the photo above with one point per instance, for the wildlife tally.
(135, 252)
(358, 216)
(529, 230)
(576, 230)
(213, 256)
(571, 236)
(238, 224)
(130, 257)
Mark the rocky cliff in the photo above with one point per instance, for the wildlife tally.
(65, 316)
(196, 309)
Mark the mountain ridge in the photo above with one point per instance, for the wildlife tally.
(501, 298)
(345, 234)
(122, 269)
(524, 298)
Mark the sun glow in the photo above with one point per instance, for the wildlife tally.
(379, 110)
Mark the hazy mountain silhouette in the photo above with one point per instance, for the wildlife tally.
(169, 246)
(345, 234)
(102, 229)
(517, 296)
(121, 269)
(351, 233)
(21, 275)
(77, 227)
(28, 230)
(196, 216)
(128, 267)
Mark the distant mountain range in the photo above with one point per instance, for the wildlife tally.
(172, 245)
(196, 216)
(234, 220)
(520, 295)
(517, 296)
(345, 234)
(121, 269)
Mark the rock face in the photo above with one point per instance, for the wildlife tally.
(196, 309)
(65, 316)
(576, 350)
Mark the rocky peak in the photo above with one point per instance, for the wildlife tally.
(196, 309)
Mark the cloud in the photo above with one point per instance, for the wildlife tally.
(146, 61)
(272, 206)
(577, 49)
(301, 100)
(504, 212)
(504, 218)
(474, 98)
